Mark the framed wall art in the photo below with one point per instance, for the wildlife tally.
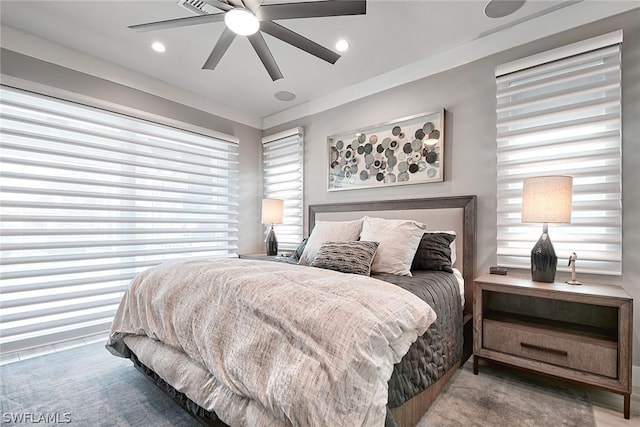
(405, 151)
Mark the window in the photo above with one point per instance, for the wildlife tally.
(558, 113)
(282, 159)
(90, 198)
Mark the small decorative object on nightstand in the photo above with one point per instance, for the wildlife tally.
(580, 333)
(572, 264)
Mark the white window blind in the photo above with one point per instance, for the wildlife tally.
(563, 118)
(90, 198)
(282, 159)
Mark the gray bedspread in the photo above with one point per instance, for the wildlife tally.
(438, 349)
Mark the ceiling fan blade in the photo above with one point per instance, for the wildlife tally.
(252, 5)
(261, 48)
(295, 39)
(220, 48)
(178, 22)
(314, 9)
(219, 4)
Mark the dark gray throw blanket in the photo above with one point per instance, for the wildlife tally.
(438, 349)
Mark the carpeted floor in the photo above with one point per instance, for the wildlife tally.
(87, 386)
(504, 397)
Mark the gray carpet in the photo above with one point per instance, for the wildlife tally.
(90, 387)
(505, 397)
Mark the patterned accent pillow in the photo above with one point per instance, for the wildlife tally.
(353, 257)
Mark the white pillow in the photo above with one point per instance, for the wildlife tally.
(398, 241)
(329, 231)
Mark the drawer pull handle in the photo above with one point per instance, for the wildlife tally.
(548, 350)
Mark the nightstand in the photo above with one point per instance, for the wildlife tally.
(579, 333)
(263, 257)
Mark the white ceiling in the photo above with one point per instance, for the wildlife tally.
(392, 35)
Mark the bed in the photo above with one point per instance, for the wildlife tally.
(264, 377)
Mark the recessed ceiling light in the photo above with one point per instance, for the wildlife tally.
(502, 8)
(158, 47)
(283, 95)
(241, 21)
(342, 45)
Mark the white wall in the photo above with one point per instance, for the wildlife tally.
(468, 95)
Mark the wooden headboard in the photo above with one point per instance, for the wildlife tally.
(457, 213)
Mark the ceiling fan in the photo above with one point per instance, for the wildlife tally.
(250, 17)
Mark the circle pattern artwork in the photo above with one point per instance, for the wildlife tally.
(432, 157)
(428, 128)
(407, 152)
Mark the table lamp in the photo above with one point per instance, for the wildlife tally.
(272, 212)
(546, 199)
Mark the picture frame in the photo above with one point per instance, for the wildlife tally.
(404, 151)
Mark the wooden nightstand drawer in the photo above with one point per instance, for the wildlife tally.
(588, 354)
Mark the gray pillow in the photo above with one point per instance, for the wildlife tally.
(298, 253)
(353, 257)
(434, 252)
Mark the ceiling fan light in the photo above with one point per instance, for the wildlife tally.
(241, 21)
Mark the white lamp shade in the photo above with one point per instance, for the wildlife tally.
(547, 199)
(272, 211)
